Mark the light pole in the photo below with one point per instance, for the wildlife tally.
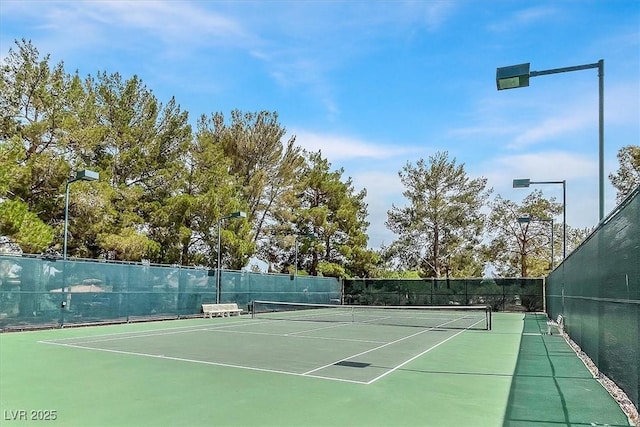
(238, 214)
(524, 183)
(516, 76)
(82, 175)
(528, 219)
(295, 262)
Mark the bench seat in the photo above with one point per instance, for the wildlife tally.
(220, 310)
(558, 323)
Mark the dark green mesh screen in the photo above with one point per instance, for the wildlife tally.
(33, 291)
(500, 293)
(243, 287)
(600, 282)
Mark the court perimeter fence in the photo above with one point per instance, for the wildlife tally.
(41, 292)
(597, 291)
(38, 292)
(501, 294)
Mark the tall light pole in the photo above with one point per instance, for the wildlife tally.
(516, 76)
(524, 183)
(528, 219)
(238, 214)
(295, 262)
(82, 175)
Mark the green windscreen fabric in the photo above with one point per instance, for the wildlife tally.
(40, 292)
(501, 294)
(243, 287)
(597, 291)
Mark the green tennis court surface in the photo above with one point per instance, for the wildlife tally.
(262, 371)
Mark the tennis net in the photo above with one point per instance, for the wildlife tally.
(436, 317)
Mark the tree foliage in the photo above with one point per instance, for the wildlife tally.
(164, 190)
(627, 178)
(439, 230)
(266, 167)
(27, 229)
(331, 210)
(523, 249)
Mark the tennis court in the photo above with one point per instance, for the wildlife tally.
(302, 368)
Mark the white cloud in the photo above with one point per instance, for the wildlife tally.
(383, 190)
(338, 148)
(523, 18)
(579, 172)
(581, 113)
(549, 128)
(436, 13)
(547, 166)
(523, 121)
(384, 183)
(173, 26)
(172, 22)
(371, 166)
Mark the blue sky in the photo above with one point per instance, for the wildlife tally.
(375, 85)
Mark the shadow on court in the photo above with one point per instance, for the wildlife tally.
(552, 387)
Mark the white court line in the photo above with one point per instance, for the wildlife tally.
(149, 333)
(394, 342)
(204, 362)
(418, 355)
(130, 332)
(221, 328)
(297, 335)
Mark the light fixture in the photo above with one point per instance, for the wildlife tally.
(526, 219)
(239, 214)
(81, 175)
(513, 76)
(295, 264)
(526, 182)
(516, 76)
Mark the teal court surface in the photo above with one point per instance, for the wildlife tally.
(307, 371)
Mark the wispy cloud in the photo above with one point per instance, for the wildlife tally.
(580, 113)
(385, 182)
(171, 22)
(338, 148)
(384, 189)
(551, 128)
(548, 165)
(523, 18)
(579, 171)
(436, 13)
(163, 28)
(546, 116)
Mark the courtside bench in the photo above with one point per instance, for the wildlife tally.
(558, 323)
(220, 310)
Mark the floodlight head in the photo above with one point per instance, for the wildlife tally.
(84, 175)
(525, 219)
(521, 183)
(87, 175)
(513, 76)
